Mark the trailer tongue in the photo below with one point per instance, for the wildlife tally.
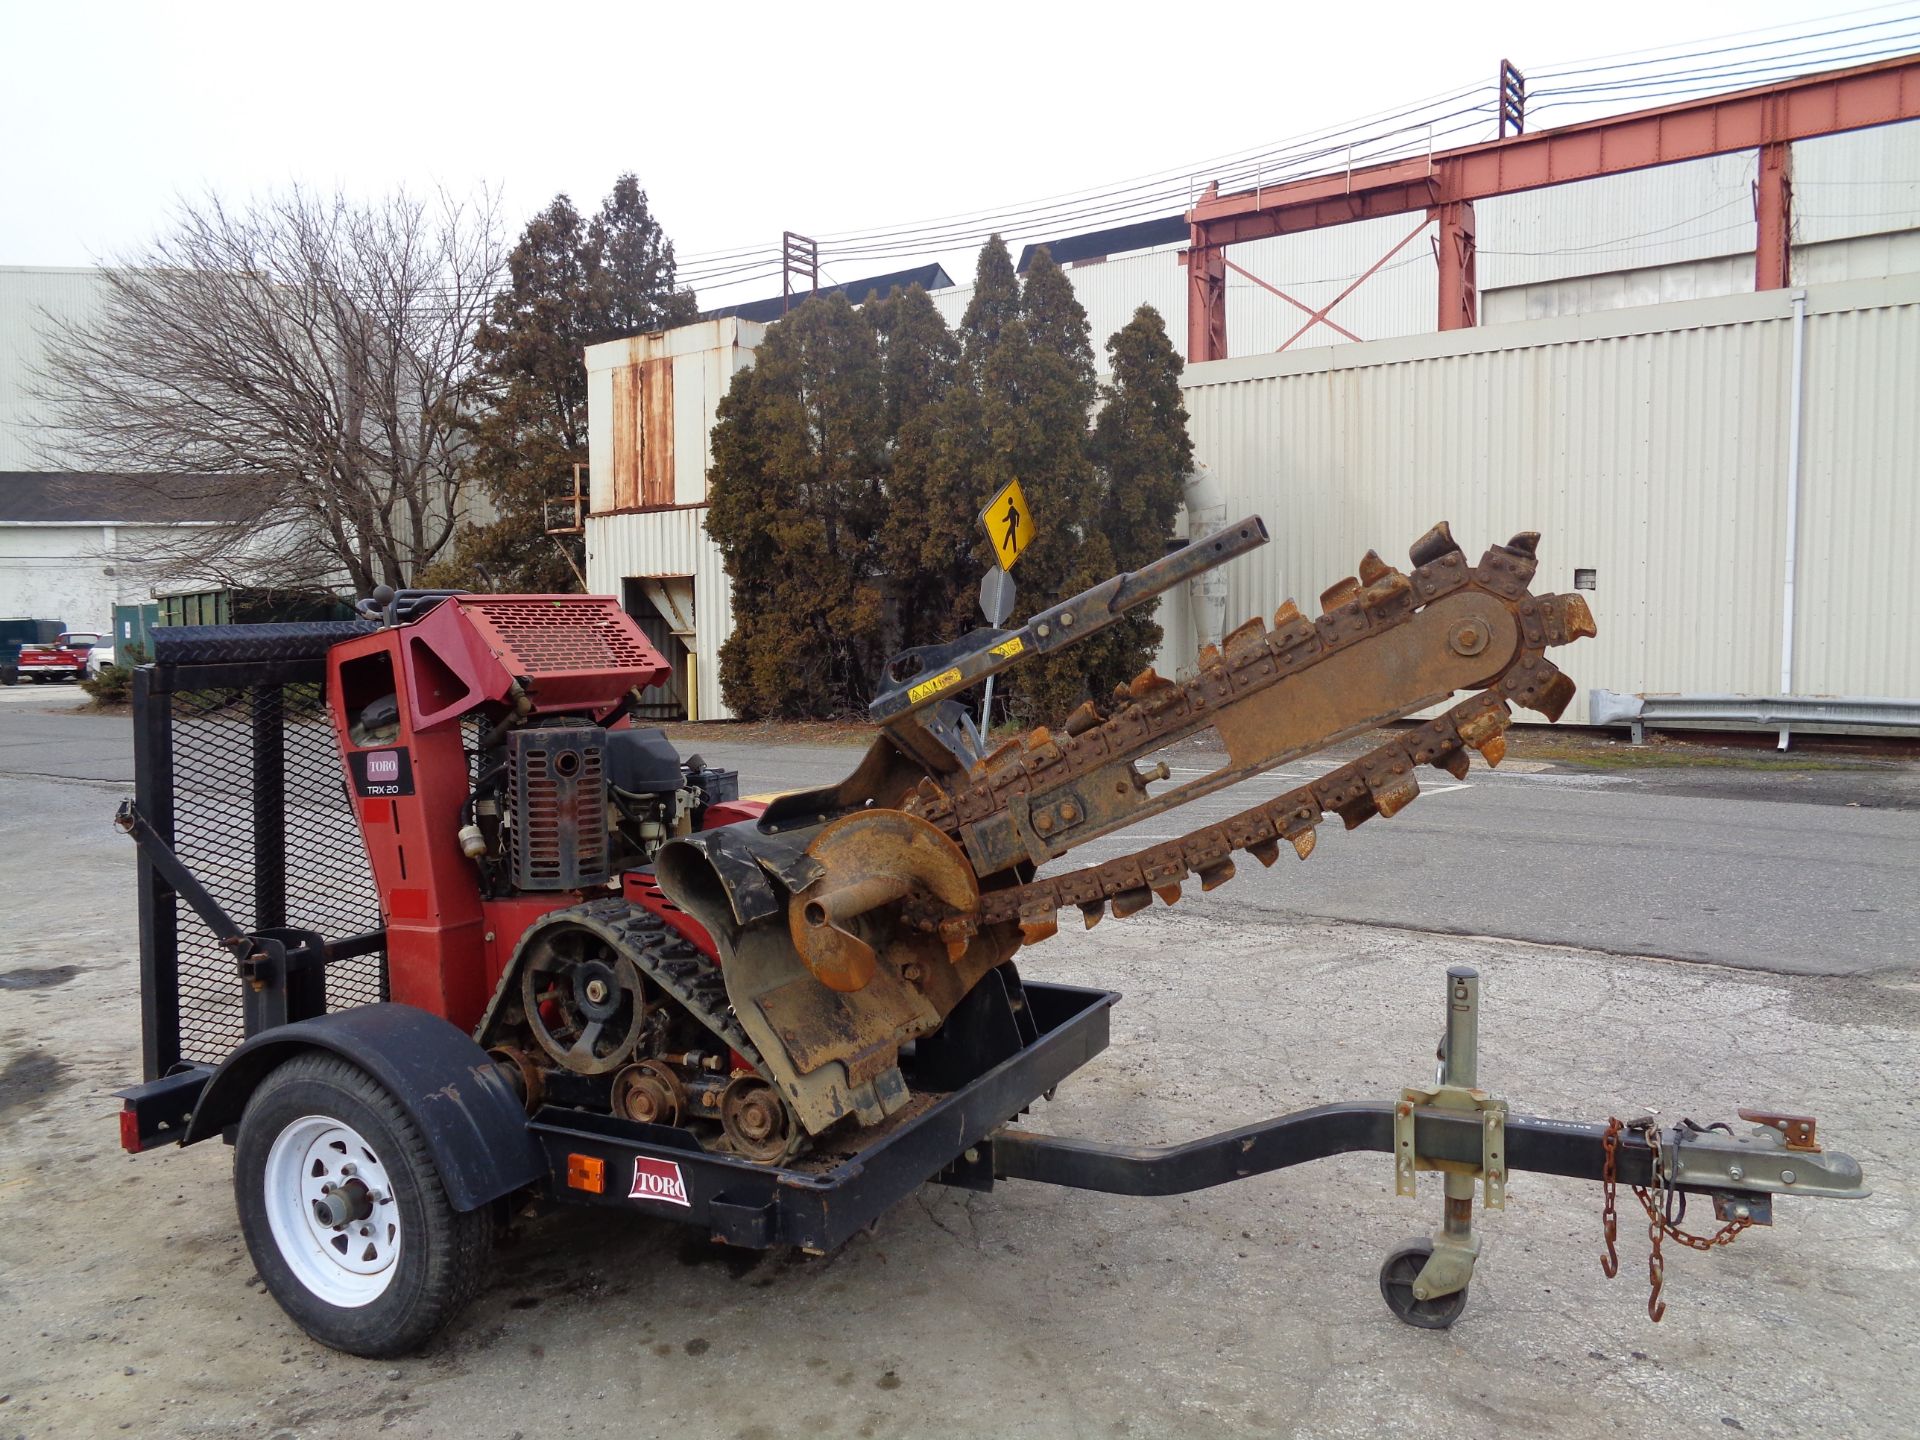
(529, 953)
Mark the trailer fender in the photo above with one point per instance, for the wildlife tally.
(467, 1112)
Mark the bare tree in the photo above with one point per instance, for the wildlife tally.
(299, 371)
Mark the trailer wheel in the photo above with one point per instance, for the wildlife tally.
(1397, 1275)
(344, 1212)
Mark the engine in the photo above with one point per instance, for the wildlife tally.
(570, 806)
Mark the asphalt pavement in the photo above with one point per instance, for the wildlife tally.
(1793, 871)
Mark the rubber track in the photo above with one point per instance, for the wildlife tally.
(673, 964)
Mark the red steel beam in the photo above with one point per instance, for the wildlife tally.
(1831, 103)
(1773, 218)
(1814, 105)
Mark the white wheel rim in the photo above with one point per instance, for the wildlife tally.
(332, 1211)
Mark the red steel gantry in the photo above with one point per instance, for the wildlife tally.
(1444, 185)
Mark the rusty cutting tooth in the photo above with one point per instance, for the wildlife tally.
(1436, 544)
(1036, 928)
(1286, 614)
(1008, 746)
(1216, 875)
(1265, 851)
(1037, 738)
(1357, 812)
(1093, 911)
(1373, 568)
(1555, 696)
(1083, 719)
(1149, 680)
(1390, 799)
(1303, 843)
(1567, 618)
(1527, 542)
(1169, 893)
(1131, 902)
(1338, 593)
(1240, 634)
(1493, 749)
(1454, 762)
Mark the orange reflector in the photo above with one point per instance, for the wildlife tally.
(587, 1172)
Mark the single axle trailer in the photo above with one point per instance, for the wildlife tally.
(429, 944)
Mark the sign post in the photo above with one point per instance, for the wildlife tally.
(996, 603)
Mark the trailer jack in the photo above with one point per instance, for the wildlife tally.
(1454, 1127)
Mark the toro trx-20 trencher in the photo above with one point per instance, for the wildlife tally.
(474, 939)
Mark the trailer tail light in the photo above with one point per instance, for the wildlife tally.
(587, 1172)
(129, 1130)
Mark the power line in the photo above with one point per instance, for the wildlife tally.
(1663, 73)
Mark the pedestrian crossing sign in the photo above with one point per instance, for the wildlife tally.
(1008, 523)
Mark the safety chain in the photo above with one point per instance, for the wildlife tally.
(1609, 1219)
(1664, 1214)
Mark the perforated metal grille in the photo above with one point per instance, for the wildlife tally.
(557, 792)
(256, 777)
(548, 636)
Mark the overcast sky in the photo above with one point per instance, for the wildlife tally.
(741, 119)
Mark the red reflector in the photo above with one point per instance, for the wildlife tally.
(129, 1131)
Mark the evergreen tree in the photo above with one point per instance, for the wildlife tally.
(928, 534)
(1144, 456)
(1037, 391)
(994, 305)
(572, 283)
(796, 506)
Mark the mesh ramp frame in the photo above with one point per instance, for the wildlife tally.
(236, 767)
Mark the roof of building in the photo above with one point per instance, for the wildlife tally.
(1098, 244)
(54, 498)
(927, 277)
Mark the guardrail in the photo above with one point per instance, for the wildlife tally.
(1785, 713)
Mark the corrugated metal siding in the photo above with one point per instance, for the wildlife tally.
(669, 543)
(1857, 184)
(1858, 610)
(31, 301)
(1648, 445)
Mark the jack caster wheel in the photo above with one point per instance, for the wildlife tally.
(1402, 1268)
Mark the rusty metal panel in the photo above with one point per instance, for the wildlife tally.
(654, 404)
(626, 437)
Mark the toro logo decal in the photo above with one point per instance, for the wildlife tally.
(658, 1180)
(381, 772)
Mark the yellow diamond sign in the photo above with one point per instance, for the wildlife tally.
(1008, 523)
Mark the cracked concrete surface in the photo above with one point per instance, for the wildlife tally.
(128, 1305)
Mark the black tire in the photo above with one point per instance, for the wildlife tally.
(1397, 1275)
(441, 1252)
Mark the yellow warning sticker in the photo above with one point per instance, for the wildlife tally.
(1007, 649)
(934, 686)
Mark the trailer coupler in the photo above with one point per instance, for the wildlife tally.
(1454, 1127)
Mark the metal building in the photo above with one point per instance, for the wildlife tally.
(1627, 390)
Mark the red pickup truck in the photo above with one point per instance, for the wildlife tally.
(64, 658)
